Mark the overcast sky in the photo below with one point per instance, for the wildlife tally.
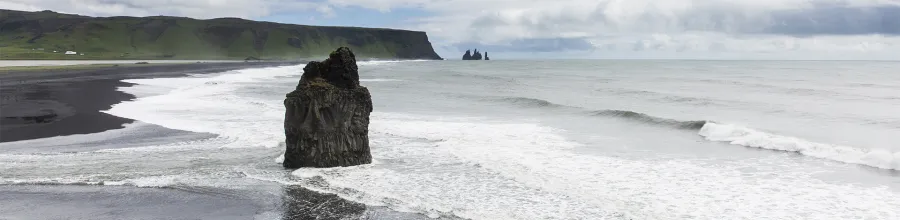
(692, 29)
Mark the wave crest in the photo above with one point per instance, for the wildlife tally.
(645, 118)
(530, 102)
(736, 135)
(747, 137)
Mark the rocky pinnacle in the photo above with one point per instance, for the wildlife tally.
(326, 122)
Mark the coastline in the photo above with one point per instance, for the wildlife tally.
(76, 97)
(59, 102)
(126, 202)
(6, 62)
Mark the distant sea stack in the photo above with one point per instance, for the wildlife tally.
(326, 122)
(474, 55)
(35, 35)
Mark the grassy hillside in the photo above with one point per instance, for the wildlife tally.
(23, 34)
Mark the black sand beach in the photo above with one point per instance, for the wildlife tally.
(39, 104)
(51, 202)
(40, 109)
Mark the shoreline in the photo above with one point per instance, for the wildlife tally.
(75, 99)
(60, 102)
(38, 63)
(286, 202)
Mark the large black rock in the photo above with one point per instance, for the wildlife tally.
(326, 122)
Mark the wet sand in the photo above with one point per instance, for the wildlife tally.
(117, 202)
(52, 202)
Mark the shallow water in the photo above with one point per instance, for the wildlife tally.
(538, 139)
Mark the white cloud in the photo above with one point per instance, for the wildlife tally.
(187, 8)
(753, 27)
(663, 26)
(325, 10)
(381, 5)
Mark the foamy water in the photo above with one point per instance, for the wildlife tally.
(520, 140)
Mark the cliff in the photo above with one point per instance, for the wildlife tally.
(326, 120)
(36, 35)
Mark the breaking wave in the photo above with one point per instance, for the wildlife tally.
(530, 102)
(748, 137)
(737, 135)
(645, 118)
(621, 114)
(742, 136)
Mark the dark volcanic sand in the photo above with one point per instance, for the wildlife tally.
(124, 202)
(117, 202)
(65, 102)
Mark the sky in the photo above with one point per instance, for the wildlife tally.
(567, 29)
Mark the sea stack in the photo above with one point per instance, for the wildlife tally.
(476, 55)
(326, 122)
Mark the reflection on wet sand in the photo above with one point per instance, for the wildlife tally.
(302, 204)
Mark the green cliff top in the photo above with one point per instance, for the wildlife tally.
(49, 35)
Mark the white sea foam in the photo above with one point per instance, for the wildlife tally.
(139, 90)
(128, 128)
(379, 80)
(208, 104)
(152, 181)
(384, 62)
(279, 159)
(474, 168)
(496, 170)
(738, 135)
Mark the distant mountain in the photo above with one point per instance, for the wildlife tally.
(36, 35)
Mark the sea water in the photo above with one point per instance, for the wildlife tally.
(537, 139)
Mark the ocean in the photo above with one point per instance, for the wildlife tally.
(554, 139)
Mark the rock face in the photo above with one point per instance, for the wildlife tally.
(473, 55)
(327, 119)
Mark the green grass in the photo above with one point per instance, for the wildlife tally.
(185, 38)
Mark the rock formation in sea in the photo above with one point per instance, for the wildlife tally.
(486, 57)
(326, 122)
(468, 55)
(473, 55)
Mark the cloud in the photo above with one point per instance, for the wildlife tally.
(531, 45)
(599, 26)
(195, 9)
(679, 26)
(836, 20)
